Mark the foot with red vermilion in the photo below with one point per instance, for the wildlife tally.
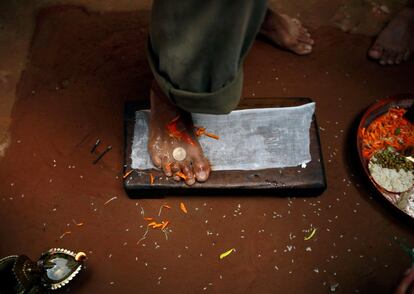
(172, 143)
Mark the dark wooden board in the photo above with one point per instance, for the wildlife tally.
(291, 181)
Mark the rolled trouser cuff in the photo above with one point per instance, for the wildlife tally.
(222, 101)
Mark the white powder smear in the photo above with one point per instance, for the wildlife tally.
(250, 139)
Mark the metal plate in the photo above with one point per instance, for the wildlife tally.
(374, 111)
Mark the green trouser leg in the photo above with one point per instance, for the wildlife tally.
(196, 50)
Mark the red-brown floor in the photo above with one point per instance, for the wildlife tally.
(81, 69)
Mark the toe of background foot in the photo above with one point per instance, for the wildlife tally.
(390, 58)
(376, 51)
(302, 49)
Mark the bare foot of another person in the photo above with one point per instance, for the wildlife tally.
(406, 285)
(396, 41)
(286, 32)
(172, 144)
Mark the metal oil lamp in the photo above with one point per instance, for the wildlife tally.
(53, 270)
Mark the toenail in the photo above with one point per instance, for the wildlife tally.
(190, 181)
(202, 174)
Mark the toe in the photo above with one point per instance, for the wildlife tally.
(303, 31)
(201, 169)
(392, 57)
(376, 51)
(156, 159)
(406, 55)
(188, 172)
(302, 49)
(384, 58)
(306, 38)
(310, 40)
(175, 168)
(166, 166)
(399, 58)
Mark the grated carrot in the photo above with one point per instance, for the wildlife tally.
(152, 179)
(202, 131)
(148, 218)
(181, 175)
(212, 136)
(78, 224)
(199, 131)
(112, 199)
(64, 234)
(127, 174)
(388, 130)
(183, 208)
(164, 224)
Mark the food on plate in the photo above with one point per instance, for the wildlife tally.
(390, 129)
(392, 171)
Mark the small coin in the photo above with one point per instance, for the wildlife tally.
(179, 154)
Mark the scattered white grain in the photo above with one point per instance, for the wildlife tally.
(333, 286)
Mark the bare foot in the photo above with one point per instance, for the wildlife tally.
(396, 41)
(286, 32)
(406, 285)
(172, 128)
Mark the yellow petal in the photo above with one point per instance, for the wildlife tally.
(227, 253)
(311, 235)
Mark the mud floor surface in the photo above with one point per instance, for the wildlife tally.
(81, 69)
